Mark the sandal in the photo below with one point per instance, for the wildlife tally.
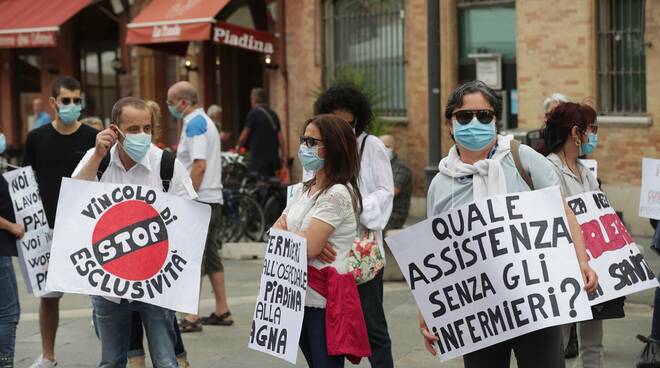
(188, 326)
(215, 320)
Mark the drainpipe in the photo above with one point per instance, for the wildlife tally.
(281, 29)
(433, 59)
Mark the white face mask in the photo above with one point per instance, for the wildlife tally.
(390, 153)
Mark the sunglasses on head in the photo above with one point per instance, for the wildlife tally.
(466, 116)
(309, 141)
(69, 100)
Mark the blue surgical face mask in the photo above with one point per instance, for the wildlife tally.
(175, 113)
(475, 135)
(309, 158)
(390, 153)
(3, 143)
(69, 114)
(137, 145)
(590, 146)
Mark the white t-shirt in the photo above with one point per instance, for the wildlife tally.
(200, 141)
(334, 207)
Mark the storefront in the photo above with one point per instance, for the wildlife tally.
(43, 39)
(223, 47)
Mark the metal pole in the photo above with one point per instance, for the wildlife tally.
(433, 45)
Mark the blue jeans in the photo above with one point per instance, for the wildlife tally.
(313, 343)
(114, 327)
(10, 311)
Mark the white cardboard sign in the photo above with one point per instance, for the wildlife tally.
(34, 248)
(128, 241)
(492, 270)
(613, 254)
(649, 200)
(278, 315)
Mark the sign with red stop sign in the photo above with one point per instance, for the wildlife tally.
(128, 241)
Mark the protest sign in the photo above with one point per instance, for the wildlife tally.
(592, 165)
(280, 308)
(34, 247)
(613, 254)
(649, 200)
(492, 270)
(128, 241)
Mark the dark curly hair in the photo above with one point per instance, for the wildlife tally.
(346, 96)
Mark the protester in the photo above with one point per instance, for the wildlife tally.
(402, 185)
(9, 306)
(570, 131)
(93, 121)
(468, 173)
(134, 160)
(376, 187)
(649, 357)
(136, 352)
(263, 136)
(40, 117)
(215, 113)
(325, 210)
(53, 152)
(199, 151)
(553, 101)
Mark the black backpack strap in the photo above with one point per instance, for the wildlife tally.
(362, 145)
(167, 160)
(103, 166)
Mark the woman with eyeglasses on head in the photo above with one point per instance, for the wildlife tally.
(326, 210)
(571, 131)
(481, 164)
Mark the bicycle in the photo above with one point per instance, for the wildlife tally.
(241, 216)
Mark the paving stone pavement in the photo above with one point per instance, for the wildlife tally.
(77, 346)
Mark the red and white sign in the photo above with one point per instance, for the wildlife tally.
(128, 241)
(160, 33)
(245, 38)
(613, 254)
(32, 39)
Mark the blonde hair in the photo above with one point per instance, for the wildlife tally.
(94, 122)
(156, 116)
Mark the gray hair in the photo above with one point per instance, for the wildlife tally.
(213, 109)
(118, 108)
(259, 95)
(555, 97)
(456, 98)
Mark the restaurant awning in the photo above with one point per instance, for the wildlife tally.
(174, 21)
(34, 23)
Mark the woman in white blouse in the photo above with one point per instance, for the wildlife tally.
(571, 131)
(324, 210)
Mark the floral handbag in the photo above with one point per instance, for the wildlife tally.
(365, 259)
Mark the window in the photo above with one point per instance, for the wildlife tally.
(100, 81)
(364, 40)
(621, 57)
(488, 30)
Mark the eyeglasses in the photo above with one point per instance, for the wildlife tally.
(69, 100)
(466, 116)
(309, 141)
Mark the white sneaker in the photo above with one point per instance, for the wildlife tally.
(42, 362)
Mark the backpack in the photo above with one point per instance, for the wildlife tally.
(166, 168)
(515, 152)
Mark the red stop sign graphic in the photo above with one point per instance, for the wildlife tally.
(130, 241)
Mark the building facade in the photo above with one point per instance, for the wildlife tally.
(603, 52)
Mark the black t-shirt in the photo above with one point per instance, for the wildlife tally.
(7, 239)
(53, 156)
(263, 143)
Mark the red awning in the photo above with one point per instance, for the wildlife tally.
(34, 23)
(174, 21)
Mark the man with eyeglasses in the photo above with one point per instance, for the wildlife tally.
(53, 151)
